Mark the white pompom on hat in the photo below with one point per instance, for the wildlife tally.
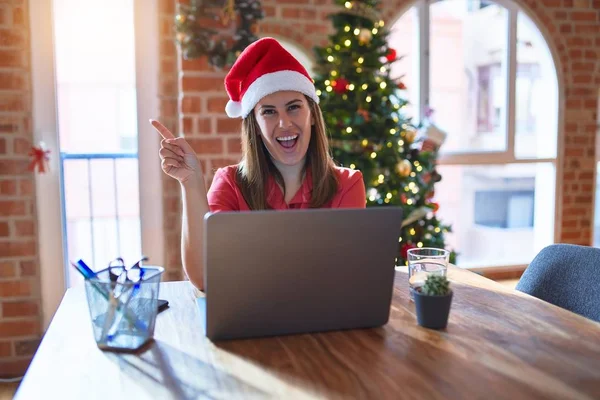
(263, 68)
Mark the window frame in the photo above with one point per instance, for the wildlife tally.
(508, 122)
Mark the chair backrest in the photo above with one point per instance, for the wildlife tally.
(567, 276)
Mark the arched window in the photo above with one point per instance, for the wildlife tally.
(490, 78)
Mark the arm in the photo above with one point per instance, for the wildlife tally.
(180, 162)
(194, 207)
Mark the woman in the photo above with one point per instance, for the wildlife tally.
(285, 153)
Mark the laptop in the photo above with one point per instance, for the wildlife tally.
(270, 273)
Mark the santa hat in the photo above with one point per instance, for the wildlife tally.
(263, 68)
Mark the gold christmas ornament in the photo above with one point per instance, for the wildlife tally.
(365, 36)
(183, 37)
(410, 135)
(404, 168)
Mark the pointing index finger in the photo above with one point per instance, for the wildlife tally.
(164, 132)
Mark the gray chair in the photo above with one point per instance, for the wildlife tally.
(567, 276)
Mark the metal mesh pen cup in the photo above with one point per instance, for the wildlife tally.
(123, 314)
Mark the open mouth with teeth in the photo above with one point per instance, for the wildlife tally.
(288, 142)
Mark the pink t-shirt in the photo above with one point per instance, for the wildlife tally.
(225, 195)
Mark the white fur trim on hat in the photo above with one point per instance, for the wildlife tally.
(233, 109)
(275, 82)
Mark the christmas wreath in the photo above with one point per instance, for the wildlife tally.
(232, 32)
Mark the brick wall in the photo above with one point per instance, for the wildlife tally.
(20, 318)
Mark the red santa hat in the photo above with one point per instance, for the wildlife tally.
(263, 68)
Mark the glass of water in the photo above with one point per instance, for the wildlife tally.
(425, 261)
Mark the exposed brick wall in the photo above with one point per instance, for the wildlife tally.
(574, 27)
(20, 310)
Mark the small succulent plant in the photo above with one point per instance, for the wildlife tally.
(436, 285)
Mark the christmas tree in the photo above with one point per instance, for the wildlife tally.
(363, 108)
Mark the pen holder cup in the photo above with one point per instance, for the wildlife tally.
(123, 315)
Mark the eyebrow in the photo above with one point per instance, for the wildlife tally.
(286, 104)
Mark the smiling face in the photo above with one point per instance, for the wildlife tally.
(285, 121)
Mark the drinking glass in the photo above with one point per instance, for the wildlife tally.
(423, 262)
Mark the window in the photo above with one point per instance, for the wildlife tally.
(486, 71)
(504, 209)
(97, 120)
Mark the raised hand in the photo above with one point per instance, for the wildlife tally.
(179, 160)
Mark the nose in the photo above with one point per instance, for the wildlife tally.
(284, 121)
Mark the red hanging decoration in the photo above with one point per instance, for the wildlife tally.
(426, 178)
(364, 113)
(40, 159)
(391, 55)
(405, 248)
(401, 86)
(340, 86)
(435, 207)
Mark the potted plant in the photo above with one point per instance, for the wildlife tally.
(432, 302)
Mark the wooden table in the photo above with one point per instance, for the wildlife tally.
(498, 344)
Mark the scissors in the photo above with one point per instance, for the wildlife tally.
(120, 276)
(119, 273)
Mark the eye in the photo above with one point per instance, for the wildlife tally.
(268, 111)
(294, 107)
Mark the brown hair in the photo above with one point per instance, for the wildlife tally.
(256, 165)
